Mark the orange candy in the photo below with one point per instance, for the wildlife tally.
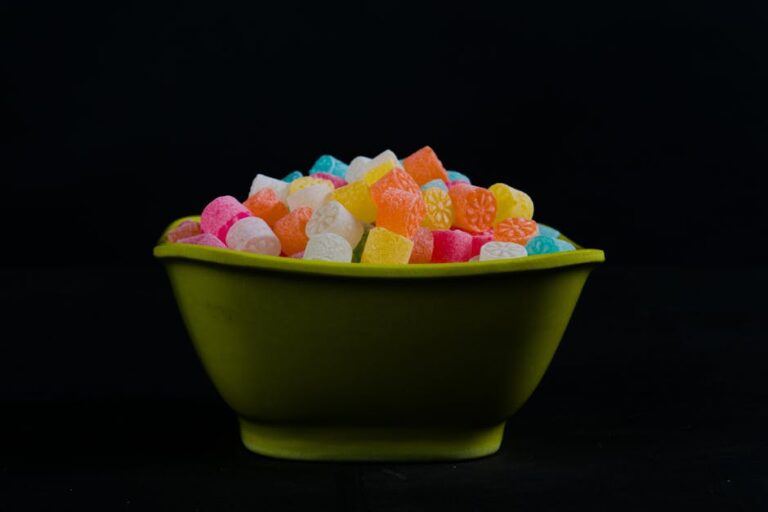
(396, 178)
(423, 243)
(424, 166)
(474, 208)
(267, 205)
(517, 229)
(291, 230)
(400, 212)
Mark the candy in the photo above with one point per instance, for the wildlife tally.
(357, 168)
(330, 165)
(439, 214)
(252, 234)
(548, 231)
(424, 166)
(328, 247)
(356, 197)
(293, 176)
(308, 181)
(457, 176)
(332, 217)
(511, 202)
(395, 178)
(434, 184)
(563, 245)
(474, 208)
(266, 205)
(261, 182)
(451, 245)
(291, 230)
(423, 243)
(502, 251)
(186, 229)
(203, 239)
(541, 245)
(219, 215)
(479, 240)
(377, 172)
(297, 255)
(337, 182)
(357, 252)
(311, 197)
(384, 246)
(400, 211)
(517, 230)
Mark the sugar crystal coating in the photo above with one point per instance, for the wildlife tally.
(332, 217)
(511, 202)
(292, 176)
(424, 166)
(291, 230)
(252, 234)
(357, 168)
(400, 211)
(474, 208)
(385, 246)
(517, 229)
(423, 243)
(312, 196)
(329, 164)
(328, 247)
(451, 245)
(356, 197)
(267, 205)
(337, 181)
(203, 239)
(262, 181)
(502, 251)
(439, 213)
(185, 229)
(219, 215)
(541, 245)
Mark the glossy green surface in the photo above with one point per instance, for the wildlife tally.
(340, 361)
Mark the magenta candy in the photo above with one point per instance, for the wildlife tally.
(337, 182)
(221, 214)
(203, 239)
(451, 246)
(479, 240)
(453, 183)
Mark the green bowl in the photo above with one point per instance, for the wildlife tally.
(349, 361)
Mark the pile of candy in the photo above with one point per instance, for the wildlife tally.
(375, 210)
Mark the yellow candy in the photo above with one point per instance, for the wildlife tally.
(511, 203)
(384, 246)
(307, 181)
(378, 172)
(356, 197)
(439, 209)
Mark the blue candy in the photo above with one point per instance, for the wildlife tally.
(457, 176)
(541, 245)
(435, 184)
(293, 176)
(331, 165)
(548, 231)
(564, 246)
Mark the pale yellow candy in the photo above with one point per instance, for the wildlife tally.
(378, 172)
(307, 181)
(385, 246)
(511, 203)
(356, 198)
(439, 209)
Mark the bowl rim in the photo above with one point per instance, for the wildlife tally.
(169, 251)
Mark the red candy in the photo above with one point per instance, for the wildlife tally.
(423, 243)
(451, 245)
(479, 240)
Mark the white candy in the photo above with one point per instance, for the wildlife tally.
(328, 247)
(252, 234)
(312, 196)
(261, 182)
(357, 168)
(370, 164)
(332, 217)
(501, 251)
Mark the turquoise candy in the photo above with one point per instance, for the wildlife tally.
(564, 246)
(548, 231)
(435, 184)
(457, 176)
(293, 176)
(541, 245)
(331, 165)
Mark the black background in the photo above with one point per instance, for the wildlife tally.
(638, 128)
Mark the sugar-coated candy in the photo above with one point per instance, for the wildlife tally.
(328, 247)
(395, 178)
(381, 164)
(400, 211)
(511, 202)
(261, 182)
(548, 231)
(357, 168)
(517, 229)
(184, 230)
(266, 205)
(479, 240)
(434, 184)
(385, 246)
(357, 252)
(356, 197)
(219, 215)
(502, 251)
(332, 217)
(252, 234)
(424, 166)
(291, 230)
(337, 182)
(439, 213)
(308, 181)
(377, 172)
(203, 239)
(423, 243)
(330, 165)
(292, 176)
(312, 196)
(541, 245)
(457, 176)
(474, 208)
(563, 245)
(451, 245)
(473, 259)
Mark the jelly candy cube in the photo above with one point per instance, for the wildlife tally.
(328, 247)
(400, 211)
(261, 182)
(330, 165)
(451, 245)
(511, 202)
(266, 205)
(357, 168)
(291, 230)
(424, 166)
(332, 217)
(312, 196)
(395, 178)
(423, 242)
(385, 246)
(293, 176)
(184, 230)
(356, 197)
(457, 176)
(308, 181)
(252, 234)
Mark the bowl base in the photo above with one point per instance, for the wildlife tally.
(371, 444)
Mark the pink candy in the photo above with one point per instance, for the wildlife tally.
(479, 240)
(337, 182)
(451, 246)
(203, 239)
(221, 214)
(186, 229)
